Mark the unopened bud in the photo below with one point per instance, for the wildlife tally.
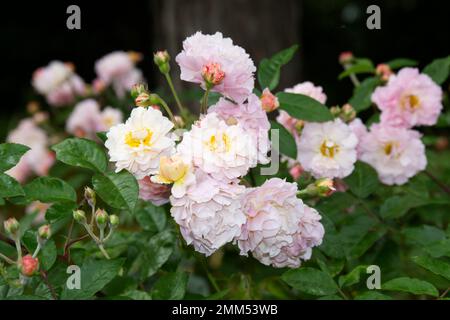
(101, 217)
(45, 232)
(79, 216)
(161, 59)
(114, 220)
(90, 197)
(299, 124)
(29, 265)
(347, 113)
(11, 226)
(296, 171)
(346, 57)
(269, 102)
(325, 187)
(137, 89)
(172, 169)
(384, 71)
(335, 111)
(147, 99)
(213, 74)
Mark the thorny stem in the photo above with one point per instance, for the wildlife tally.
(174, 93)
(444, 187)
(10, 261)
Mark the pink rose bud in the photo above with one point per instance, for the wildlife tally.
(213, 74)
(325, 187)
(11, 226)
(269, 101)
(29, 265)
(384, 71)
(346, 57)
(296, 171)
(45, 232)
(98, 85)
(146, 99)
(161, 59)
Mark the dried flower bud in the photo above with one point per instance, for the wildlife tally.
(45, 232)
(11, 226)
(90, 196)
(269, 101)
(161, 59)
(213, 74)
(101, 217)
(79, 216)
(29, 265)
(114, 220)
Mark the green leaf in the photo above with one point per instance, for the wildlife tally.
(398, 206)
(436, 266)
(361, 99)
(372, 295)
(311, 281)
(119, 190)
(269, 69)
(361, 65)
(366, 242)
(102, 136)
(60, 211)
(363, 181)
(156, 253)
(353, 277)
(81, 153)
(401, 63)
(151, 218)
(49, 189)
(47, 255)
(9, 187)
(171, 286)
(438, 69)
(95, 274)
(10, 154)
(411, 285)
(303, 107)
(288, 146)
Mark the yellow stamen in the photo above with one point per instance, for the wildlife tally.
(412, 101)
(134, 140)
(329, 149)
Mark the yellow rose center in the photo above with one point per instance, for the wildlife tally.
(223, 145)
(135, 138)
(329, 149)
(410, 101)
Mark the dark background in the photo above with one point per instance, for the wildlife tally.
(34, 33)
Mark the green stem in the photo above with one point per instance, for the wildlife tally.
(10, 261)
(353, 77)
(174, 93)
(18, 248)
(204, 107)
(89, 230)
(102, 249)
(111, 229)
(38, 248)
(166, 107)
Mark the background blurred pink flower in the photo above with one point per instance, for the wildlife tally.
(156, 193)
(308, 88)
(200, 50)
(409, 99)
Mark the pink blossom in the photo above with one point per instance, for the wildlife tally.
(29, 265)
(251, 117)
(360, 130)
(409, 99)
(200, 50)
(308, 88)
(156, 193)
(84, 119)
(397, 154)
(280, 230)
(269, 101)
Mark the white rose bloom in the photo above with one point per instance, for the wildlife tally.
(138, 144)
(209, 213)
(328, 149)
(219, 149)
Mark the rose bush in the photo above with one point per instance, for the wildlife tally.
(156, 202)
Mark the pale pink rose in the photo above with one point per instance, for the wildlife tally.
(397, 154)
(109, 117)
(200, 50)
(308, 88)
(290, 123)
(118, 70)
(360, 130)
(209, 213)
(280, 230)
(58, 83)
(156, 193)
(409, 99)
(38, 159)
(85, 119)
(251, 117)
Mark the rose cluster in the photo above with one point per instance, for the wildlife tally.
(200, 171)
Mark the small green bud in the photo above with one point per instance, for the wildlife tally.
(347, 113)
(89, 195)
(45, 232)
(146, 99)
(79, 216)
(137, 89)
(161, 59)
(114, 220)
(101, 217)
(11, 226)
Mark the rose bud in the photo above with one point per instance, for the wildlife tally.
(269, 101)
(29, 265)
